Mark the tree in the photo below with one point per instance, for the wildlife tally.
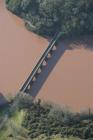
(48, 16)
(14, 5)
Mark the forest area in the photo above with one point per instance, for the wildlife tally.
(46, 17)
(35, 120)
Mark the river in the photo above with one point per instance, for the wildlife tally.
(71, 81)
(19, 51)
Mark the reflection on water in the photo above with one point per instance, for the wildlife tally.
(70, 82)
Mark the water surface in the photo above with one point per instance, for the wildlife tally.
(19, 51)
(70, 82)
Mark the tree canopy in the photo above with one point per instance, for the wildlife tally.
(48, 16)
(31, 119)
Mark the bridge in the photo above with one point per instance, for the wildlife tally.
(26, 87)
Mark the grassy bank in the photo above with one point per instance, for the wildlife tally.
(13, 125)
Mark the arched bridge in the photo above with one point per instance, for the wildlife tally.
(41, 63)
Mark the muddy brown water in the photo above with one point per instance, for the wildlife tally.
(19, 51)
(70, 82)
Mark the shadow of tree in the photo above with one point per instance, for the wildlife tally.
(47, 69)
(3, 100)
(85, 41)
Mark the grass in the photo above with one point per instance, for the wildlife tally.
(13, 123)
(18, 117)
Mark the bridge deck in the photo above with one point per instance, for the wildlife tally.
(53, 42)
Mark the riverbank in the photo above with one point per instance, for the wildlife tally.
(30, 119)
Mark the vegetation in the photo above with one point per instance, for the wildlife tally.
(48, 16)
(34, 120)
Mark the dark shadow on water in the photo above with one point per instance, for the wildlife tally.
(68, 44)
(3, 100)
(47, 70)
(85, 41)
